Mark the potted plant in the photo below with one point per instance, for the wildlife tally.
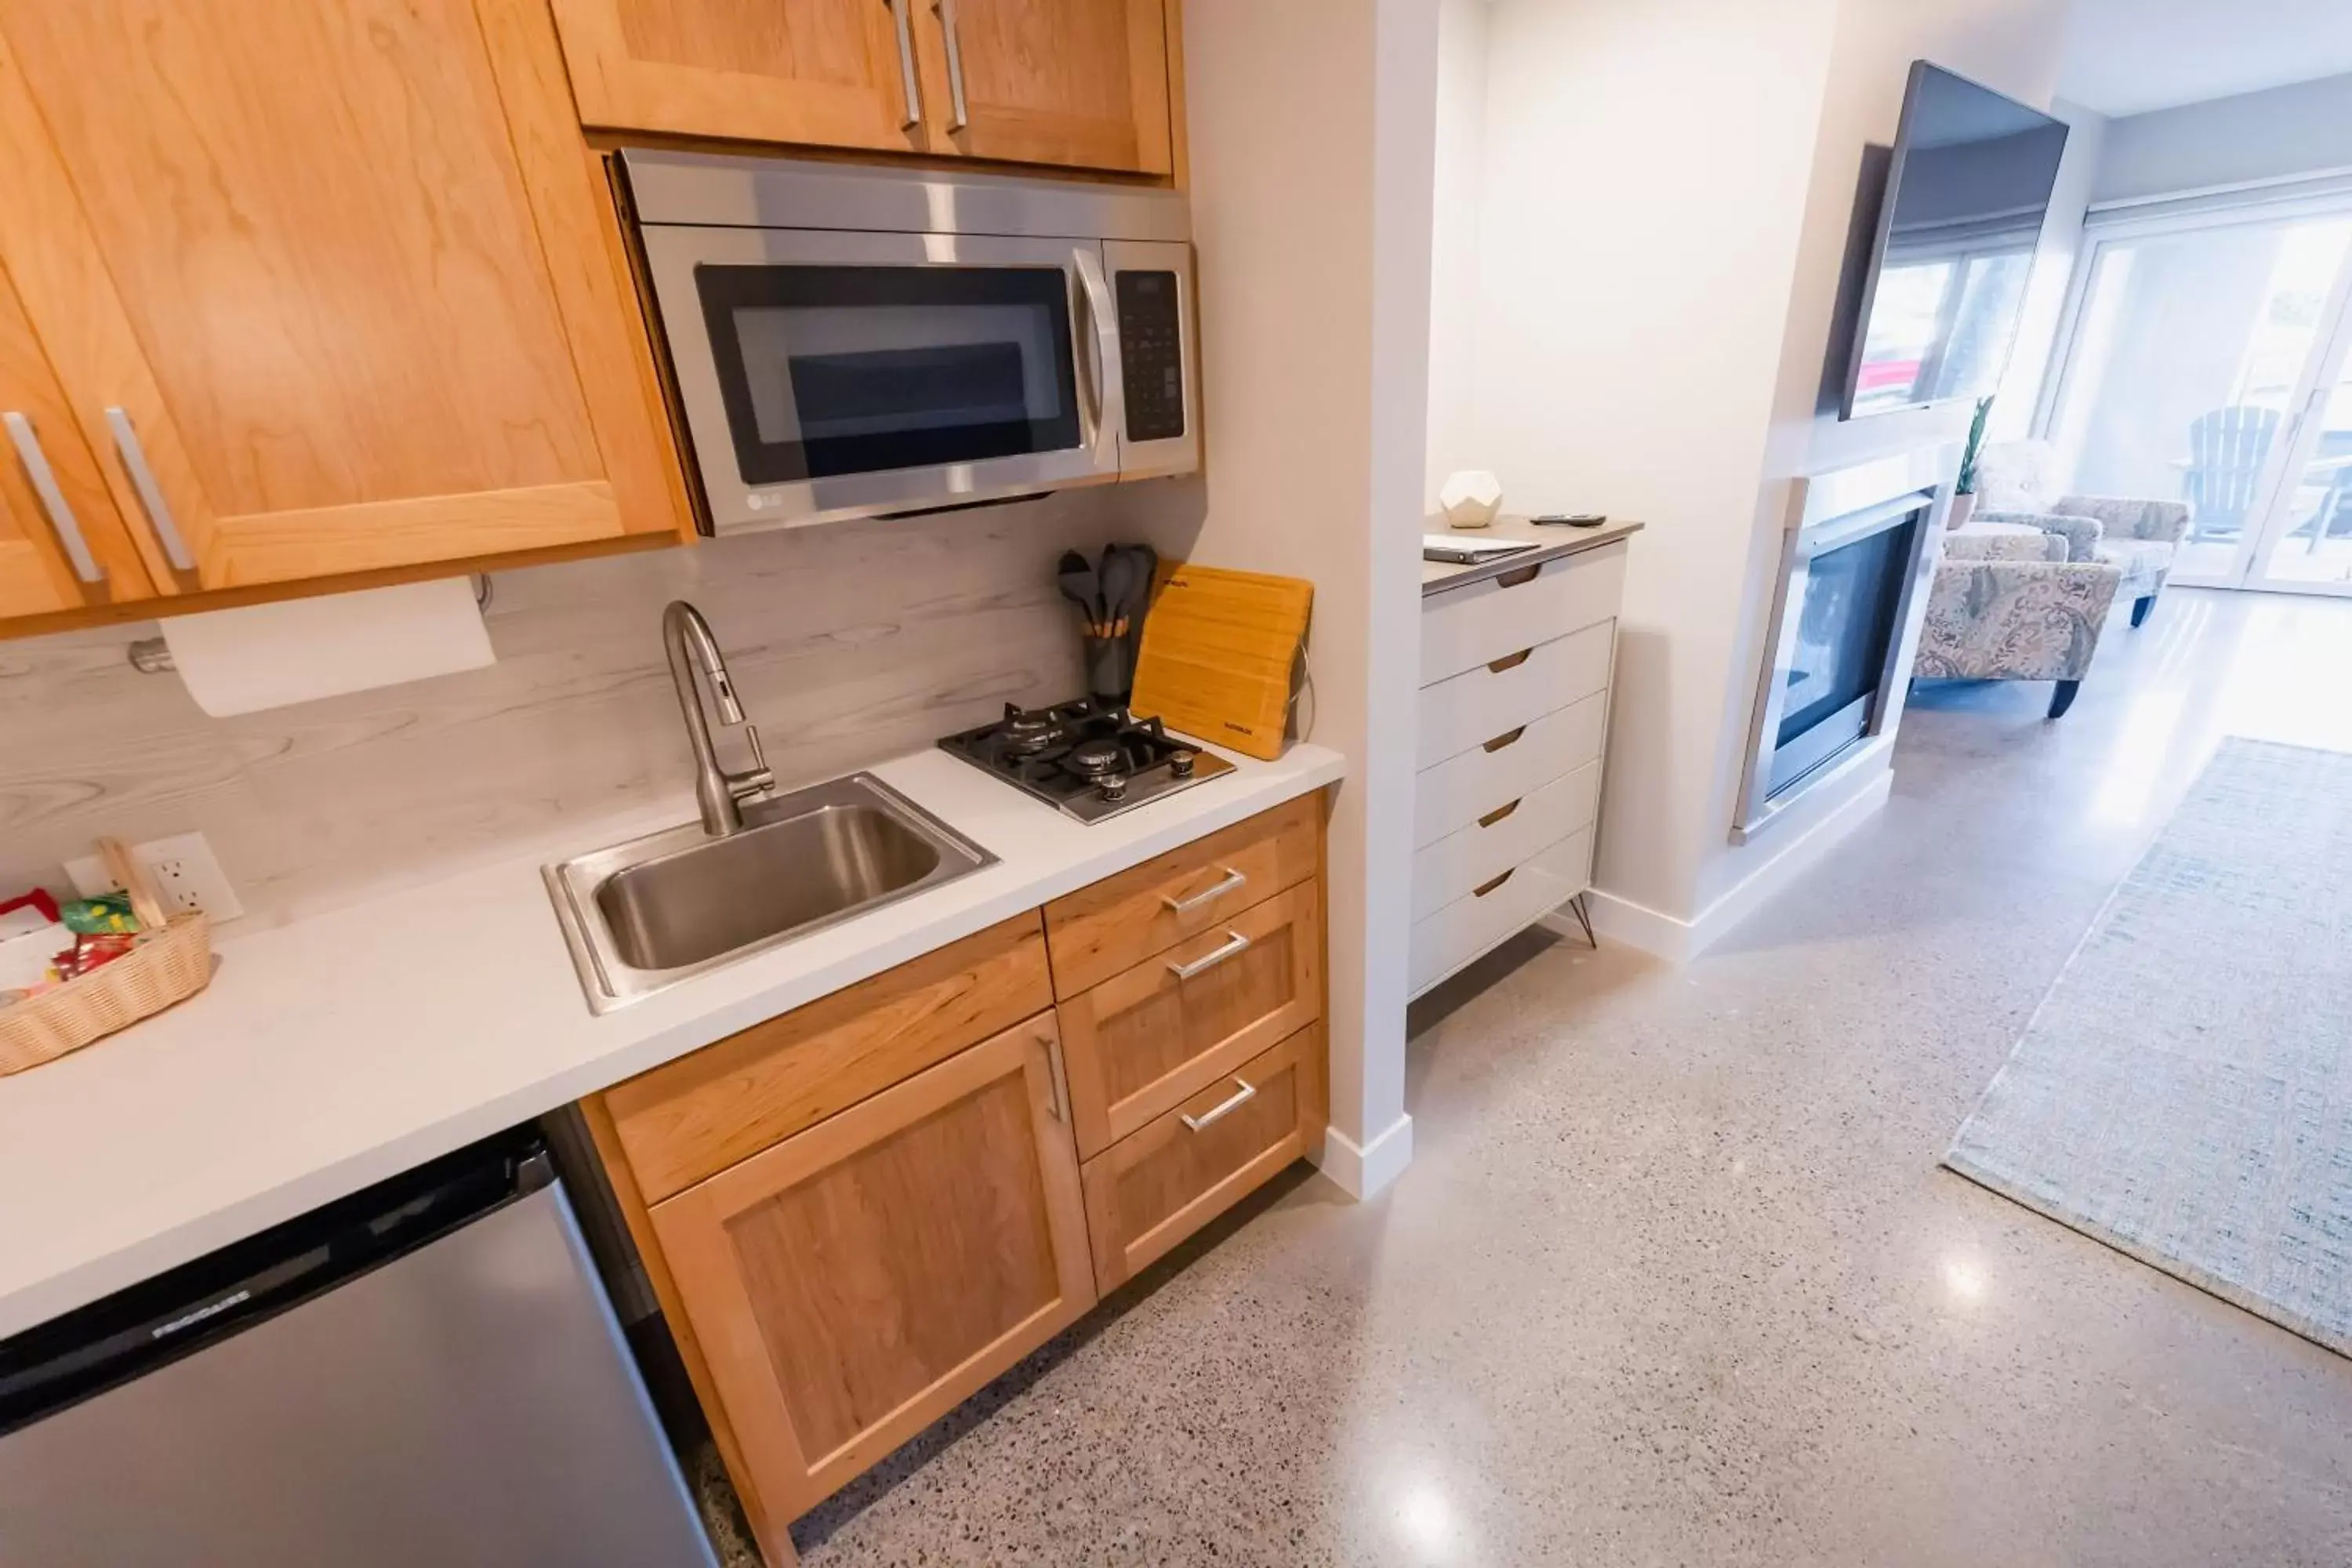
(1964, 488)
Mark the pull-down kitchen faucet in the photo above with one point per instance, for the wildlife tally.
(720, 793)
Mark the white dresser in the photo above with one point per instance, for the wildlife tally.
(1515, 662)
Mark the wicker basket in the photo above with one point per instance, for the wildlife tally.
(158, 972)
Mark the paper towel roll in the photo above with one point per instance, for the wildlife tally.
(237, 661)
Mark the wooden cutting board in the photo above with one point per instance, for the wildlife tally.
(1218, 649)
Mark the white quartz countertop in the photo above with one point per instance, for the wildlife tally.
(342, 1049)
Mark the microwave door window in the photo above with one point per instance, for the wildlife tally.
(830, 371)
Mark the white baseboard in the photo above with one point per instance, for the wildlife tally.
(1364, 1169)
(1679, 941)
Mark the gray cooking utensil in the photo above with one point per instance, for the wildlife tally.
(1081, 586)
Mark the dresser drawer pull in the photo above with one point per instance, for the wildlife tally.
(1508, 738)
(1499, 812)
(1484, 889)
(1234, 943)
(1513, 578)
(1510, 660)
(1233, 880)
(1222, 1109)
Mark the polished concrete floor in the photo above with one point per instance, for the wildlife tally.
(1675, 1278)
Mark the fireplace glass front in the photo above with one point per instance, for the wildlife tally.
(1843, 636)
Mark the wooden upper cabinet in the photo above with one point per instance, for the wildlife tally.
(1082, 83)
(849, 1285)
(1077, 82)
(62, 544)
(828, 72)
(324, 281)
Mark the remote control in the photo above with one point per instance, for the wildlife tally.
(1569, 519)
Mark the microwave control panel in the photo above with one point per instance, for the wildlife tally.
(1151, 348)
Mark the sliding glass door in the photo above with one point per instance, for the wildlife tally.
(2207, 362)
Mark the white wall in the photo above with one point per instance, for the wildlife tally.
(2285, 132)
(1312, 128)
(2016, 404)
(1665, 196)
(1646, 175)
(1454, 214)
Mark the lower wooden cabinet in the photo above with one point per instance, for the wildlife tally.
(852, 1283)
(1154, 1188)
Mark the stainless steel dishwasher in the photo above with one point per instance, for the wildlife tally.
(426, 1372)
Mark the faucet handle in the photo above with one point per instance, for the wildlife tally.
(758, 778)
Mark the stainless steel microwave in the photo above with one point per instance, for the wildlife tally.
(851, 341)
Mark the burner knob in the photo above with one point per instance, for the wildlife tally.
(1179, 762)
(1113, 788)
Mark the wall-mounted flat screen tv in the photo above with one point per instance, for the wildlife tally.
(1967, 190)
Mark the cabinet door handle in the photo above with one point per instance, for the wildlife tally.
(1233, 880)
(151, 494)
(909, 89)
(1060, 1107)
(1234, 943)
(53, 499)
(1224, 1107)
(959, 117)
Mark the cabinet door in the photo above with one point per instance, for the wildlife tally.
(324, 280)
(62, 545)
(853, 1282)
(1082, 82)
(835, 73)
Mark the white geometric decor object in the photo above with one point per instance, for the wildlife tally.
(1470, 499)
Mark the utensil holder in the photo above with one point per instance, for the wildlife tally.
(1111, 666)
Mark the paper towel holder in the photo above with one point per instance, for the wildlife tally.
(153, 656)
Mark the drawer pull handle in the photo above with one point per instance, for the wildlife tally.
(1481, 891)
(1510, 660)
(1224, 1107)
(1517, 575)
(1499, 812)
(1234, 943)
(1233, 880)
(1509, 738)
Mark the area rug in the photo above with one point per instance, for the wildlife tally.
(2184, 1093)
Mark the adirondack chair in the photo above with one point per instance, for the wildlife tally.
(2227, 450)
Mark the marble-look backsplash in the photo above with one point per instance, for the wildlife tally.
(848, 644)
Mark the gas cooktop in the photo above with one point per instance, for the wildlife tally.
(1091, 759)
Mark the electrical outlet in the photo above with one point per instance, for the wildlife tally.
(187, 876)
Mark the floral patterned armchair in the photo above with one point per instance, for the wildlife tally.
(2139, 538)
(2011, 606)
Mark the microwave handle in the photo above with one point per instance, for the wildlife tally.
(1108, 381)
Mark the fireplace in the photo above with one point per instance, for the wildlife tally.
(1844, 624)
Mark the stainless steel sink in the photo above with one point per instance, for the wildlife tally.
(647, 915)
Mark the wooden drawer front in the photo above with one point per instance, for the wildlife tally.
(1121, 921)
(1465, 628)
(1140, 1042)
(1460, 790)
(1461, 930)
(1473, 707)
(850, 1285)
(1151, 1190)
(694, 1116)
(1476, 855)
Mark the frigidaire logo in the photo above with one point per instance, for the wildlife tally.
(199, 1315)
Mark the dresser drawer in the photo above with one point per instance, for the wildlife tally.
(1460, 790)
(1461, 930)
(1511, 833)
(1140, 1043)
(1464, 627)
(1152, 1189)
(1117, 923)
(1473, 707)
